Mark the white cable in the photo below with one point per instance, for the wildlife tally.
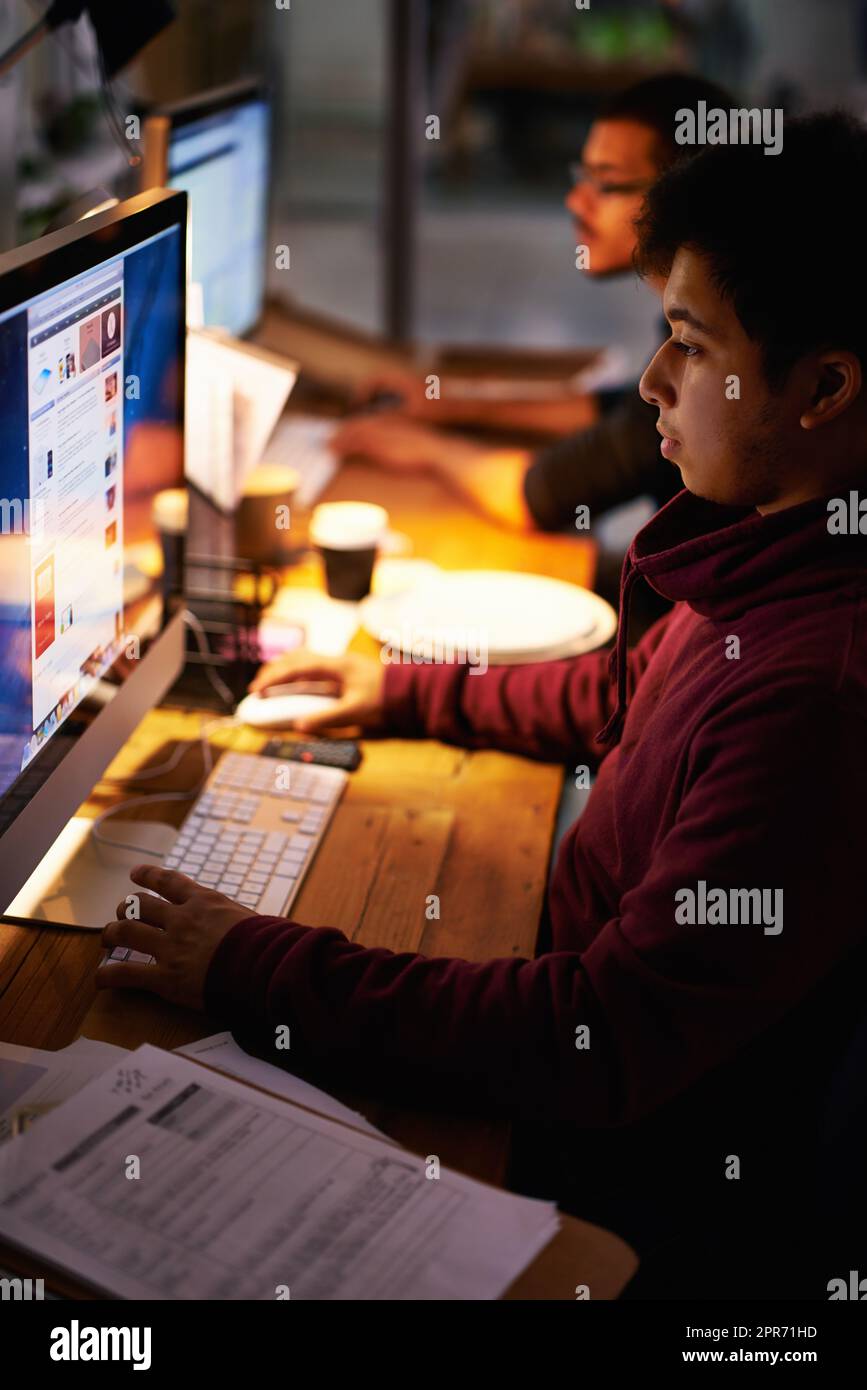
(180, 752)
(208, 763)
(225, 694)
(195, 626)
(134, 801)
(168, 766)
(200, 635)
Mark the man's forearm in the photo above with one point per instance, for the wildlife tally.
(493, 480)
(552, 418)
(550, 710)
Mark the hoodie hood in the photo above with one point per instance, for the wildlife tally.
(725, 561)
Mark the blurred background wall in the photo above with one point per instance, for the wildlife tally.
(514, 83)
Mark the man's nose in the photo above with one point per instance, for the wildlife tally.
(577, 200)
(655, 386)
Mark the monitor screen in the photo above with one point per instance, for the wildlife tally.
(91, 428)
(220, 159)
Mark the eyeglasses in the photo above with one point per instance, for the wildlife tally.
(579, 175)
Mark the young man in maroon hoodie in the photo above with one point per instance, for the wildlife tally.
(668, 1058)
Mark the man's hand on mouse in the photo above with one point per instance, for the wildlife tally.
(358, 680)
(181, 929)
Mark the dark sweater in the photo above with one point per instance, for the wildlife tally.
(742, 773)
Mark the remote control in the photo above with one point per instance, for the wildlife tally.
(336, 752)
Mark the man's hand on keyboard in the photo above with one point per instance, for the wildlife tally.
(360, 681)
(391, 441)
(181, 929)
(404, 446)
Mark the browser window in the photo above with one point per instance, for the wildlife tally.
(75, 435)
(221, 161)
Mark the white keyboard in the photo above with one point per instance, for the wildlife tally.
(253, 831)
(301, 441)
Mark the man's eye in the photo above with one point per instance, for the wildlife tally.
(687, 349)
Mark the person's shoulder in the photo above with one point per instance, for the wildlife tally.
(813, 642)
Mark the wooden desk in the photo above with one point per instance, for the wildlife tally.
(417, 818)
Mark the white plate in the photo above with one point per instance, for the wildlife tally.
(518, 617)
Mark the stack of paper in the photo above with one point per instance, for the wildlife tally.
(221, 1051)
(33, 1081)
(164, 1180)
(235, 394)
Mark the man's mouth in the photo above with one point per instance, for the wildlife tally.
(669, 446)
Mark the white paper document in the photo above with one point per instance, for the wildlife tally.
(243, 1196)
(35, 1080)
(221, 1051)
(235, 395)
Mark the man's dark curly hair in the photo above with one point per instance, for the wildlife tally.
(783, 235)
(655, 102)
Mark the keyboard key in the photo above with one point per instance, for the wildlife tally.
(274, 899)
(302, 842)
(290, 871)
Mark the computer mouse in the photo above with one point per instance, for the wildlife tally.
(278, 711)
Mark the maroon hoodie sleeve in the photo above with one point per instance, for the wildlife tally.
(548, 710)
(663, 1001)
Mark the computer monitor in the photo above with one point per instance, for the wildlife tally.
(215, 147)
(92, 350)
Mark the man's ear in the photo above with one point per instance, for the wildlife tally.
(836, 385)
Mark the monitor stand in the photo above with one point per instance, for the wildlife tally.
(80, 881)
